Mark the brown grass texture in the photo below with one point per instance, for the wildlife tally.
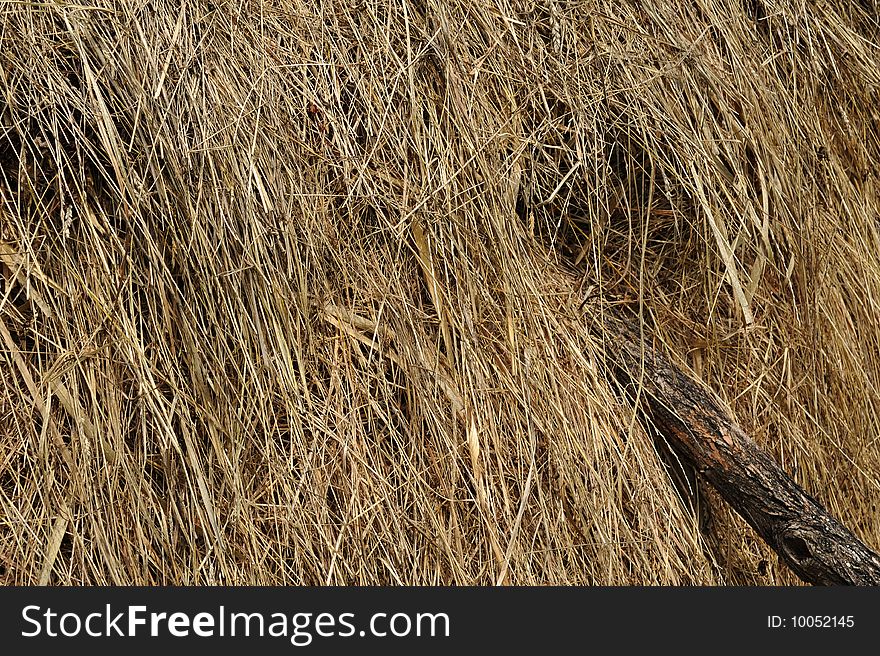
(306, 292)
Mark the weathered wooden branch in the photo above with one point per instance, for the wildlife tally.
(818, 548)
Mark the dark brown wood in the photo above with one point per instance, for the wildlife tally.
(818, 548)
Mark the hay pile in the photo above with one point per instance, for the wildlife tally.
(312, 292)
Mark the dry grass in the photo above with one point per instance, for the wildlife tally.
(302, 292)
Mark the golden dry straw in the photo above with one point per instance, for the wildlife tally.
(301, 292)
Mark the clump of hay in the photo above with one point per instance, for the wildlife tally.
(301, 292)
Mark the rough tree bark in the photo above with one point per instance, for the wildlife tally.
(818, 548)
